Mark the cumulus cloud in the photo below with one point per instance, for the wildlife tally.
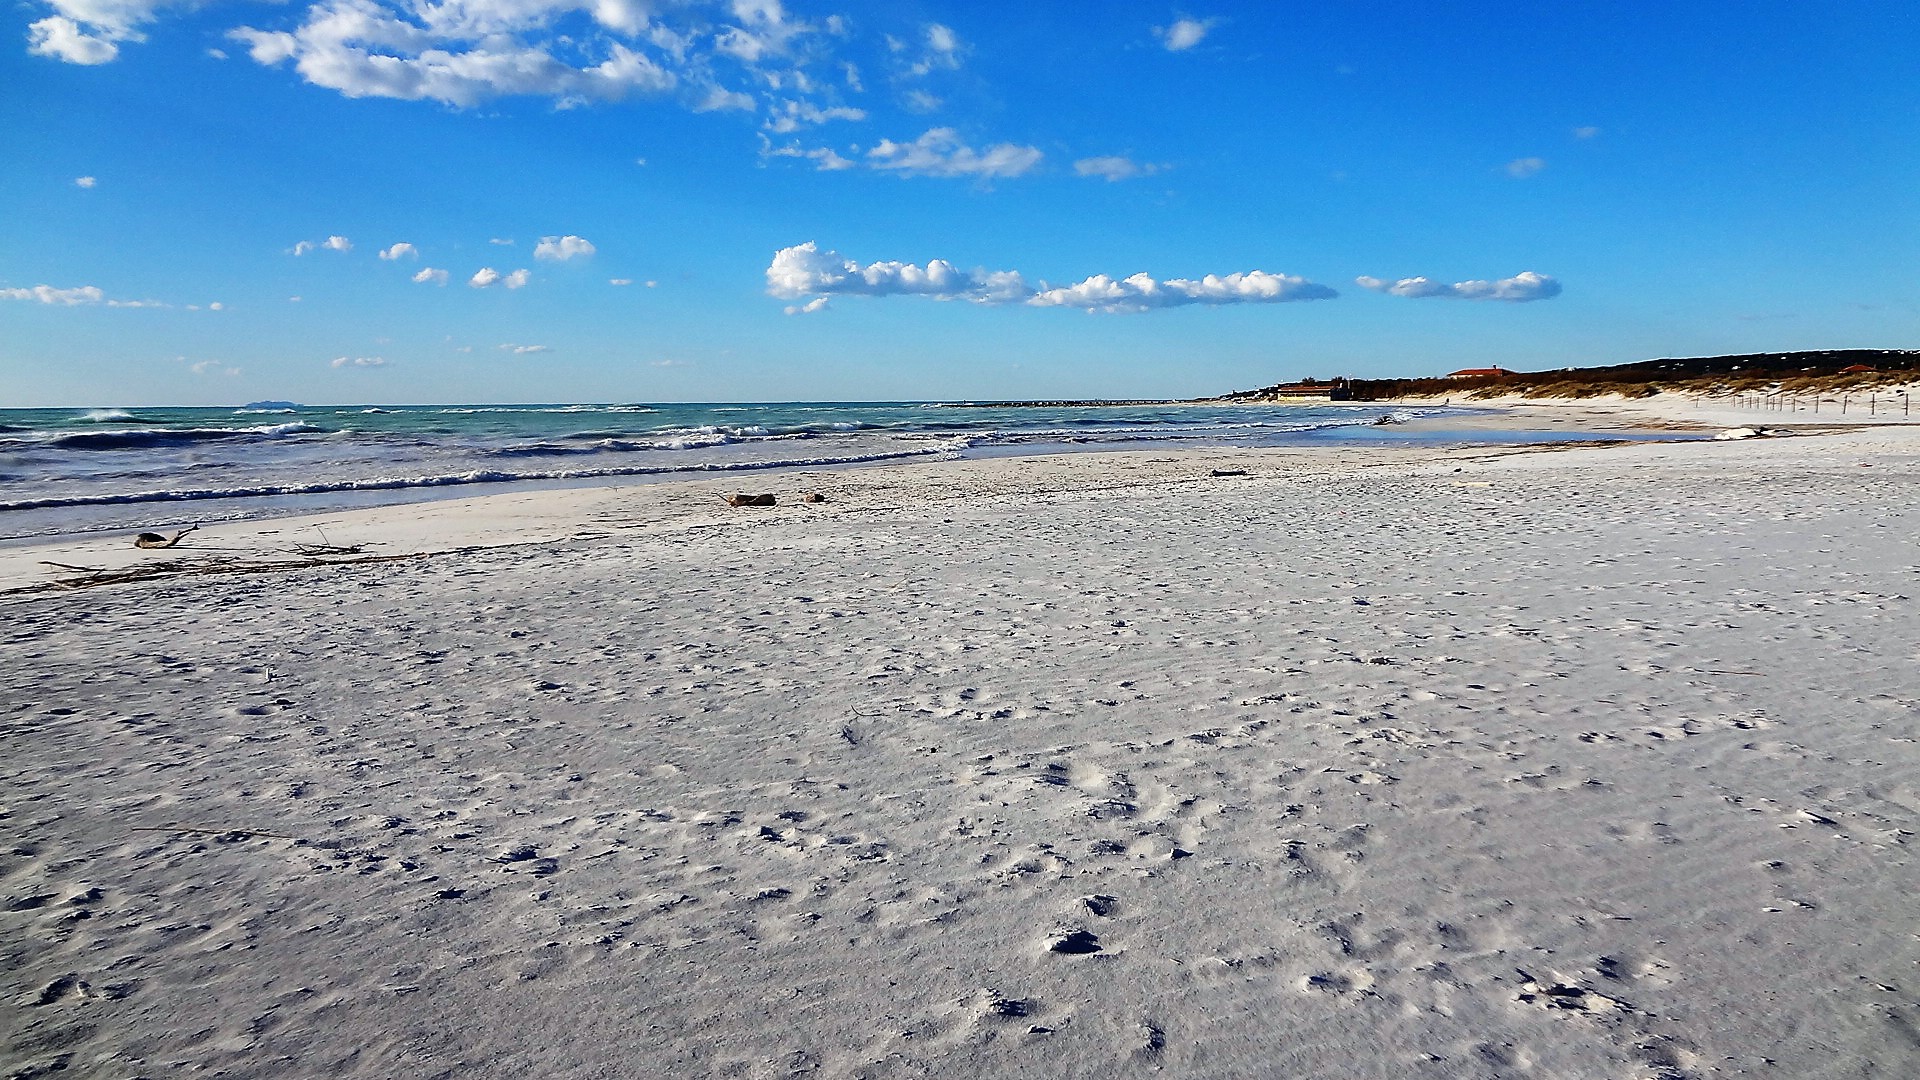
(331, 243)
(91, 31)
(1521, 168)
(940, 152)
(487, 277)
(818, 303)
(806, 271)
(84, 181)
(1184, 34)
(459, 53)
(47, 294)
(1142, 293)
(359, 361)
(61, 38)
(620, 281)
(562, 248)
(525, 350)
(402, 250)
(430, 276)
(1518, 289)
(1112, 169)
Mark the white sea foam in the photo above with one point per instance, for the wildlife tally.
(476, 476)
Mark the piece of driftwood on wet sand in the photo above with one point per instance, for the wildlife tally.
(738, 499)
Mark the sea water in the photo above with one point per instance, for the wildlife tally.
(72, 470)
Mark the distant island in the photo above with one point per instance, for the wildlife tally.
(1806, 371)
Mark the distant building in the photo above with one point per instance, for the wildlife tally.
(1856, 369)
(1479, 373)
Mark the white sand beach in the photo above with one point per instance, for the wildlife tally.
(1600, 762)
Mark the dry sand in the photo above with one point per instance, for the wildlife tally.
(1480, 763)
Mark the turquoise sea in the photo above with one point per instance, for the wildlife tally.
(66, 470)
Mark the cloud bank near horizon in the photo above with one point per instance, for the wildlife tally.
(1519, 289)
(805, 271)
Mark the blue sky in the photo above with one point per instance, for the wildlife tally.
(755, 200)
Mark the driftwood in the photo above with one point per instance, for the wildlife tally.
(314, 550)
(91, 576)
(155, 540)
(1229, 472)
(737, 499)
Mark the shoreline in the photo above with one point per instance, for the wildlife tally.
(444, 519)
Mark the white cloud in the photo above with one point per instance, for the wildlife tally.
(500, 242)
(806, 271)
(920, 101)
(818, 303)
(359, 361)
(939, 49)
(1587, 132)
(1141, 292)
(1521, 168)
(216, 306)
(62, 38)
(331, 243)
(653, 284)
(1113, 169)
(940, 152)
(793, 115)
(719, 99)
(1519, 288)
(84, 181)
(461, 52)
(517, 279)
(402, 250)
(620, 281)
(47, 294)
(1184, 34)
(484, 277)
(824, 158)
(525, 350)
(430, 276)
(562, 248)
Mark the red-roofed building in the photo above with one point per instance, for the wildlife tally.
(1479, 373)
(1855, 369)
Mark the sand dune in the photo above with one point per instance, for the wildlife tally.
(1592, 763)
